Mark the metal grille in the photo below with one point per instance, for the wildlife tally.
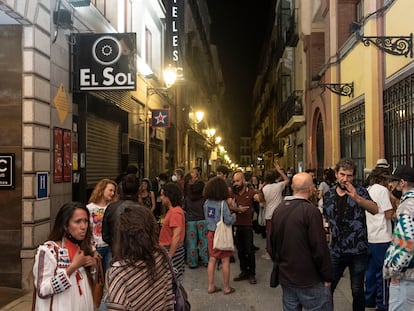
(399, 121)
(352, 131)
(102, 150)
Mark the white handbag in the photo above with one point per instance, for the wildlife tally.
(223, 236)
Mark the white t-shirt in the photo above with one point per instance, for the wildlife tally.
(273, 196)
(97, 214)
(379, 229)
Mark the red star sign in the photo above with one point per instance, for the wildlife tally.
(160, 118)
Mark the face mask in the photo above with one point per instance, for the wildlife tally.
(237, 188)
(396, 193)
(174, 178)
(289, 175)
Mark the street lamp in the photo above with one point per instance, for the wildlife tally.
(211, 132)
(199, 115)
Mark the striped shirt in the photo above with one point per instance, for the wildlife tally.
(132, 288)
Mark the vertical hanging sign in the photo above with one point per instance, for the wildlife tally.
(175, 31)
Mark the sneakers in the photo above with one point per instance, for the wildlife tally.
(242, 276)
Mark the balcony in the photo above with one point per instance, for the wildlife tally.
(291, 116)
(292, 36)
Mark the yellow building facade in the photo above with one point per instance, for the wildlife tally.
(372, 116)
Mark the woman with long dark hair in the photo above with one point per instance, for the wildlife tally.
(140, 277)
(62, 268)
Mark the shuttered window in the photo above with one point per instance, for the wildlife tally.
(103, 145)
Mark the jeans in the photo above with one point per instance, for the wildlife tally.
(401, 296)
(376, 290)
(316, 298)
(245, 251)
(357, 265)
(106, 255)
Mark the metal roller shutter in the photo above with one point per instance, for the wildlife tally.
(103, 145)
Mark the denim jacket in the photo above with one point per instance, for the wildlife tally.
(212, 213)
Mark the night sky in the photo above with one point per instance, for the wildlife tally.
(238, 29)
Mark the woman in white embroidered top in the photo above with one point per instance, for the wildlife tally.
(61, 271)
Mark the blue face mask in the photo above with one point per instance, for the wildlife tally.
(289, 175)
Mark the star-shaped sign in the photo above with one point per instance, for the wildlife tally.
(160, 118)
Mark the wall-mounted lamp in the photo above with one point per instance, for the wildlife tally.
(211, 132)
(394, 45)
(199, 115)
(170, 76)
(343, 89)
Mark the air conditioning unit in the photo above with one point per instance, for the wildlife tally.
(77, 3)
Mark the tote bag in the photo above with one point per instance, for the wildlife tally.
(223, 236)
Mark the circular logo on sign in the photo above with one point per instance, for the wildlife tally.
(106, 50)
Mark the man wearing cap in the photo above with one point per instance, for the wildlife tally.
(399, 262)
(344, 207)
(383, 163)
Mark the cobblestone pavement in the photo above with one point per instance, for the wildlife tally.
(247, 297)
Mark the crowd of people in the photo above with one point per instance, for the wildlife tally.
(145, 232)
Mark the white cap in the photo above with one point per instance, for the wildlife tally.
(382, 163)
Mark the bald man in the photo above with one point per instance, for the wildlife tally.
(297, 239)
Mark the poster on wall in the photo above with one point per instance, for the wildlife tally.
(75, 165)
(67, 156)
(57, 155)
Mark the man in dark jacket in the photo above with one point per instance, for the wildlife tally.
(298, 237)
(129, 196)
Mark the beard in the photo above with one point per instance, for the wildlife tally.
(342, 187)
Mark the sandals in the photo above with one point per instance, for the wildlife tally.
(215, 290)
(232, 290)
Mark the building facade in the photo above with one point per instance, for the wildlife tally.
(58, 140)
(348, 66)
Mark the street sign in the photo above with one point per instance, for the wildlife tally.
(7, 180)
(42, 185)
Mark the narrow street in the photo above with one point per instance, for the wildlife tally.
(247, 296)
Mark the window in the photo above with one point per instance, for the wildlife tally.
(352, 131)
(360, 10)
(399, 122)
(148, 47)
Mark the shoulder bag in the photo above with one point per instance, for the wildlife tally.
(223, 236)
(98, 284)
